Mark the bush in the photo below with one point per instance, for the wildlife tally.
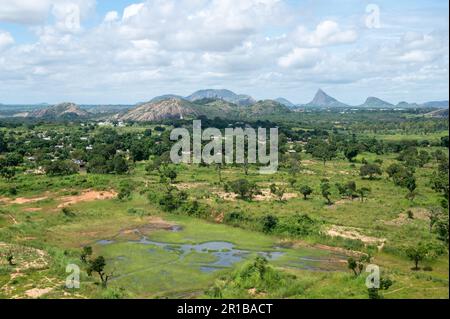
(234, 218)
(61, 168)
(269, 222)
(298, 225)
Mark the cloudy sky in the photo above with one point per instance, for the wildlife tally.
(124, 51)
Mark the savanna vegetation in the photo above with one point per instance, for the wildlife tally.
(352, 189)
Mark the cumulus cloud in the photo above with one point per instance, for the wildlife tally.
(5, 39)
(111, 16)
(24, 11)
(301, 58)
(164, 46)
(37, 11)
(132, 11)
(326, 33)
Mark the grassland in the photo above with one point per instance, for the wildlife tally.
(45, 233)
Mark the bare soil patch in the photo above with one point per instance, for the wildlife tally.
(354, 233)
(36, 292)
(22, 200)
(152, 224)
(86, 196)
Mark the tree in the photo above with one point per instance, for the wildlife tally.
(356, 266)
(97, 165)
(347, 190)
(13, 159)
(244, 188)
(424, 158)
(325, 189)
(410, 184)
(3, 144)
(363, 191)
(306, 191)
(322, 150)
(394, 169)
(61, 168)
(120, 165)
(278, 191)
(172, 199)
(370, 170)
(417, 254)
(351, 152)
(440, 184)
(98, 266)
(442, 229)
(269, 222)
(7, 172)
(168, 172)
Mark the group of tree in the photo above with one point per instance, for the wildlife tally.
(351, 191)
(440, 178)
(61, 168)
(404, 177)
(370, 170)
(322, 150)
(243, 188)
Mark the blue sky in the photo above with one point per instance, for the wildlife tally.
(124, 51)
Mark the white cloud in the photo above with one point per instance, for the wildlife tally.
(175, 46)
(111, 16)
(301, 58)
(5, 39)
(326, 33)
(37, 11)
(132, 10)
(24, 11)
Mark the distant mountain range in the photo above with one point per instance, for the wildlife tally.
(181, 108)
(226, 95)
(63, 110)
(211, 103)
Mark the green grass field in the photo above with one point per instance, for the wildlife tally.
(149, 271)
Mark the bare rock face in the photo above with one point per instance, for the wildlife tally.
(59, 111)
(171, 108)
(321, 99)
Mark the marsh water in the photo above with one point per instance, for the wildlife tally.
(225, 254)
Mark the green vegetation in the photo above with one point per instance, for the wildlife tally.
(352, 189)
